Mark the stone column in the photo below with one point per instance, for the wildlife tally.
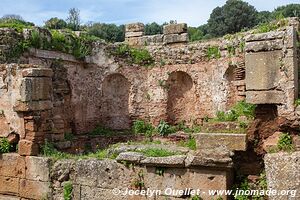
(35, 106)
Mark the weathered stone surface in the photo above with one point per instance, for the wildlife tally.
(37, 72)
(12, 165)
(35, 89)
(88, 193)
(33, 106)
(37, 168)
(261, 46)
(175, 28)
(170, 161)
(101, 173)
(152, 39)
(176, 38)
(263, 70)
(34, 189)
(4, 130)
(28, 148)
(265, 36)
(271, 141)
(9, 185)
(133, 34)
(61, 170)
(134, 27)
(282, 170)
(8, 197)
(133, 157)
(232, 142)
(265, 97)
(134, 41)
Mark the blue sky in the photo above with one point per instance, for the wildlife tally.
(193, 12)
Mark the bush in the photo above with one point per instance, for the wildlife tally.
(5, 146)
(140, 126)
(213, 52)
(165, 129)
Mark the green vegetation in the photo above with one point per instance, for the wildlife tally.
(270, 26)
(158, 152)
(160, 171)
(297, 102)
(134, 55)
(142, 127)
(5, 147)
(68, 188)
(100, 130)
(240, 109)
(196, 198)
(69, 136)
(190, 143)
(213, 52)
(285, 142)
(138, 182)
(165, 129)
(18, 24)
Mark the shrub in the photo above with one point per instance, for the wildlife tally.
(190, 143)
(164, 128)
(5, 146)
(244, 109)
(213, 52)
(285, 142)
(140, 126)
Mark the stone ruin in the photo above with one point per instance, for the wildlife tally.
(46, 94)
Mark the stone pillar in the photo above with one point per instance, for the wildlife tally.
(35, 105)
(134, 33)
(175, 33)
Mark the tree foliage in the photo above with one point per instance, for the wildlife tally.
(232, 17)
(108, 32)
(55, 23)
(73, 19)
(290, 10)
(153, 29)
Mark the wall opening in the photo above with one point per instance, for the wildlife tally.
(181, 98)
(115, 96)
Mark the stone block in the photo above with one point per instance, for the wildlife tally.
(175, 28)
(88, 193)
(232, 142)
(262, 70)
(33, 106)
(134, 27)
(12, 165)
(176, 38)
(265, 36)
(262, 46)
(37, 72)
(35, 89)
(265, 97)
(152, 39)
(282, 171)
(28, 148)
(8, 197)
(34, 189)
(132, 157)
(9, 185)
(4, 130)
(170, 161)
(37, 168)
(134, 41)
(134, 34)
(271, 141)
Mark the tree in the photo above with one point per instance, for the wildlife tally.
(232, 17)
(195, 34)
(108, 32)
(290, 10)
(263, 17)
(12, 17)
(55, 23)
(153, 29)
(73, 19)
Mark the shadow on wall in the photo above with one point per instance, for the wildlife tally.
(115, 96)
(181, 98)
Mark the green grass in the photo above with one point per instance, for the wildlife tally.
(190, 143)
(68, 188)
(285, 142)
(158, 152)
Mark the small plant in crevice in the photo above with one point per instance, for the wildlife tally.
(138, 182)
(213, 52)
(196, 198)
(230, 50)
(285, 142)
(160, 171)
(5, 146)
(68, 188)
(297, 102)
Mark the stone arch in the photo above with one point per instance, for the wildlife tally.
(115, 94)
(181, 97)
